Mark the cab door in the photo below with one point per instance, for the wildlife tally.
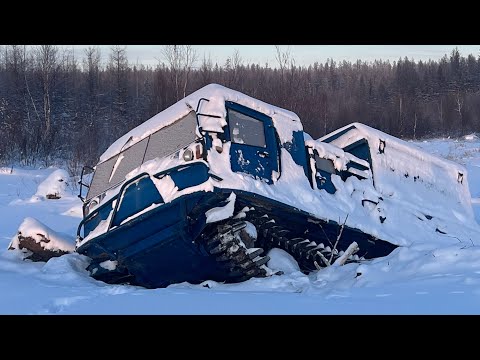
(254, 149)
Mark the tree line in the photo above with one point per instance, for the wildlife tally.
(56, 106)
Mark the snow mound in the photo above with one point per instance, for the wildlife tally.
(280, 260)
(471, 137)
(55, 186)
(39, 243)
(74, 211)
(6, 170)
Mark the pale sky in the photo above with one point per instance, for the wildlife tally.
(303, 54)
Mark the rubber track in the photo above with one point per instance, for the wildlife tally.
(239, 262)
(309, 255)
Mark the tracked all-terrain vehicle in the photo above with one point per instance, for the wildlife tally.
(204, 189)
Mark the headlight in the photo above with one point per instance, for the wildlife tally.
(188, 155)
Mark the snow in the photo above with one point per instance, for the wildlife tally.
(109, 264)
(115, 166)
(471, 137)
(223, 212)
(250, 229)
(423, 278)
(280, 260)
(430, 211)
(101, 228)
(414, 185)
(55, 184)
(31, 227)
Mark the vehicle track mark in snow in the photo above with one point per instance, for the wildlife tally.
(383, 295)
(470, 281)
(457, 292)
(441, 275)
(59, 304)
(337, 296)
(421, 292)
(117, 290)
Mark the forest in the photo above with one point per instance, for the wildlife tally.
(58, 105)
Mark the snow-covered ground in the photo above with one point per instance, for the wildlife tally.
(421, 279)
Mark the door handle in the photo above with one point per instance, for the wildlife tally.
(263, 154)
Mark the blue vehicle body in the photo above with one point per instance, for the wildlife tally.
(151, 241)
(163, 246)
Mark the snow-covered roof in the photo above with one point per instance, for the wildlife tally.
(285, 121)
(371, 134)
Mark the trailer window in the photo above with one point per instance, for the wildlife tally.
(324, 164)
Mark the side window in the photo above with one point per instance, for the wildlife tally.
(136, 197)
(325, 168)
(325, 165)
(95, 220)
(245, 129)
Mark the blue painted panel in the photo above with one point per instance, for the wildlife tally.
(136, 197)
(356, 165)
(297, 150)
(337, 135)
(158, 247)
(360, 149)
(97, 216)
(324, 181)
(190, 175)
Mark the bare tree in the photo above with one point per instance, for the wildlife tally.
(119, 65)
(90, 144)
(190, 57)
(3, 58)
(180, 59)
(46, 56)
(91, 65)
(233, 67)
(118, 69)
(206, 70)
(285, 60)
(458, 108)
(173, 54)
(46, 97)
